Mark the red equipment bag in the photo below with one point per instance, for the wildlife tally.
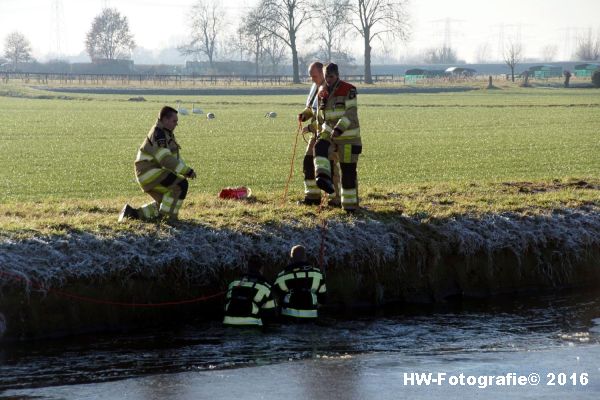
(236, 193)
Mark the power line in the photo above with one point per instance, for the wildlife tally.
(58, 27)
(448, 31)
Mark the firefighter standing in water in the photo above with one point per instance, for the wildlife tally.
(301, 287)
(160, 172)
(338, 132)
(249, 300)
(312, 194)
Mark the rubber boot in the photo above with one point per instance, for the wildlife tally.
(324, 183)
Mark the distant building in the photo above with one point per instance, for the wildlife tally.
(545, 71)
(460, 71)
(220, 68)
(585, 70)
(414, 75)
(103, 66)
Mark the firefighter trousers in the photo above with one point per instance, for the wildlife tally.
(168, 197)
(312, 193)
(347, 154)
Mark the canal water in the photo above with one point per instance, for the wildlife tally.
(487, 349)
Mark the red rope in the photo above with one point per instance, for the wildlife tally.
(323, 234)
(287, 185)
(110, 302)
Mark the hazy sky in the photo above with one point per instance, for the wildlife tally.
(468, 25)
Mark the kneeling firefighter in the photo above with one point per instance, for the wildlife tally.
(339, 132)
(160, 171)
(249, 300)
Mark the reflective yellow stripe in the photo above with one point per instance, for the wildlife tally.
(351, 103)
(310, 187)
(350, 134)
(161, 154)
(149, 176)
(334, 114)
(349, 196)
(231, 286)
(326, 128)
(177, 206)
(347, 153)
(322, 289)
(166, 204)
(181, 168)
(316, 279)
(291, 312)
(323, 164)
(262, 291)
(281, 283)
(160, 189)
(149, 210)
(242, 321)
(343, 123)
(269, 304)
(141, 156)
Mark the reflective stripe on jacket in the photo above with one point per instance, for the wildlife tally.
(302, 288)
(157, 156)
(340, 111)
(246, 300)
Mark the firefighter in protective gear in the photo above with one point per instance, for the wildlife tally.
(312, 194)
(160, 171)
(338, 132)
(301, 287)
(249, 300)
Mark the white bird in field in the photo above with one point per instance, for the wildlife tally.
(181, 110)
(196, 110)
(271, 115)
(210, 116)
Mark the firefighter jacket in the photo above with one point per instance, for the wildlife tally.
(301, 288)
(338, 111)
(310, 112)
(157, 157)
(248, 301)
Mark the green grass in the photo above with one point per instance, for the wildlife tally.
(57, 151)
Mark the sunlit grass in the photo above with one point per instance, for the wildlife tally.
(426, 154)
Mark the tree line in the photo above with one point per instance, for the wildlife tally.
(268, 33)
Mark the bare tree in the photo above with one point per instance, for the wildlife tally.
(206, 21)
(235, 46)
(375, 18)
(513, 53)
(549, 52)
(588, 46)
(482, 55)
(109, 38)
(333, 22)
(274, 52)
(441, 55)
(17, 48)
(284, 19)
(254, 36)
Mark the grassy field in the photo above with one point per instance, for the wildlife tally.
(423, 153)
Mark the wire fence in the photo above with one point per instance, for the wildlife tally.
(171, 79)
(181, 80)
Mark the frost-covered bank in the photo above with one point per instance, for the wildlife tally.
(367, 262)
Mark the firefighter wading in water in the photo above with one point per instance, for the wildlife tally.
(161, 172)
(338, 132)
(301, 287)
(249, 300)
